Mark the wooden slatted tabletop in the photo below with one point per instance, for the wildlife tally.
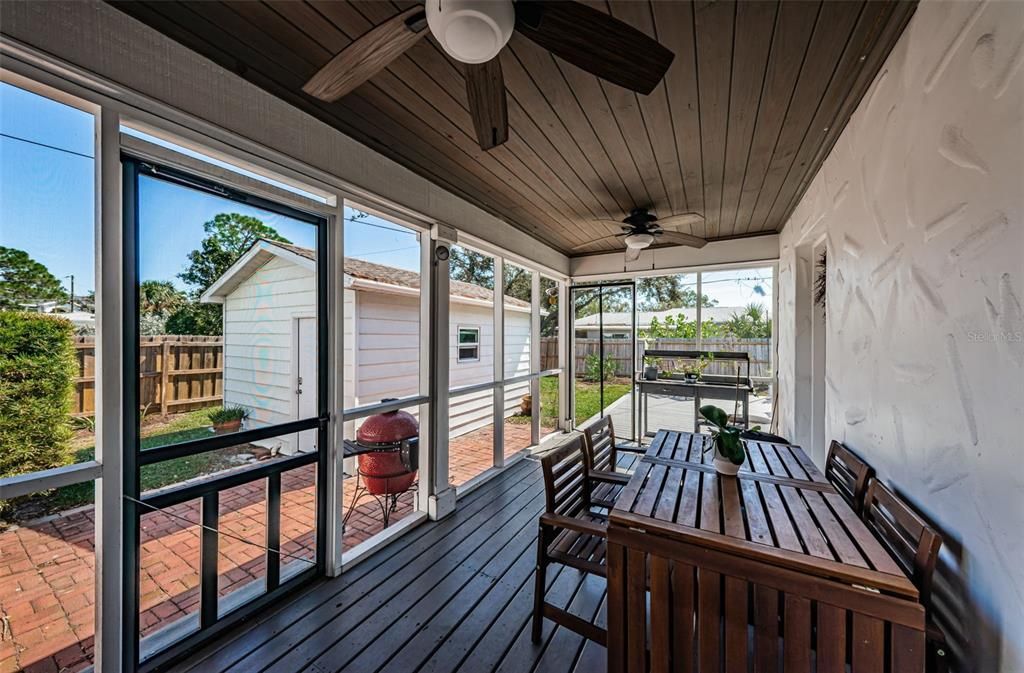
(779, 509)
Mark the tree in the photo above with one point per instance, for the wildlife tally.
(23, 281)
(751, 323)
(196, 318)
(228, 236)
(658, 293)
(471, 267)
(160, 297)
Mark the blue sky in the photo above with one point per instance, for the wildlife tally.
(47, 208)
(47, 205)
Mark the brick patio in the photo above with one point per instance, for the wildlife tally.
(47, 566)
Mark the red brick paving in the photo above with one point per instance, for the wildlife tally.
(47, 566)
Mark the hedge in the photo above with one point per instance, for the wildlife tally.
(37, 370)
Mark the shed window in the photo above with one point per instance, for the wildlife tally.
(469, 344)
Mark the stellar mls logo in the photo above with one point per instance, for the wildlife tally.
(995, 337)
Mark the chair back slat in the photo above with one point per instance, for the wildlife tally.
(907, 537)
(849, 474)
(599, 441)
(566, 484)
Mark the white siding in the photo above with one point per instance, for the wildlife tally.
(382, 356)
(258, 334)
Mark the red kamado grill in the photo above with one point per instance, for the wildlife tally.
(387, 445)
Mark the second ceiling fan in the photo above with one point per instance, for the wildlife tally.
(475, 31)
(641, 229)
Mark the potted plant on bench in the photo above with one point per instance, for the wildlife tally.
(651, 367)
(729, 451)
(695, 368)
(228, 419)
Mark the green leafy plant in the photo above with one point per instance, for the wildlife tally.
(37, 370)
(727, 437)
(697, 367)
(593, 371)
(228, 414)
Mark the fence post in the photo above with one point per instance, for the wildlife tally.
(165, 375)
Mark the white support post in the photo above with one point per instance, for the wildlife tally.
(535, 304)
(498, 410)
(436, 490)
(110, 334)
(700, 323)
(334, 258)
(564, 357)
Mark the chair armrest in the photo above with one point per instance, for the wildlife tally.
(579, 525)
(631, 449)
(609, 477)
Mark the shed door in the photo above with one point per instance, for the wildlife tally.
(305, 384)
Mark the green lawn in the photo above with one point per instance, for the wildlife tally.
(588, 400)
(183, 427)
(588, 397)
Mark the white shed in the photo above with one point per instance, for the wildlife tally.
(269, 299)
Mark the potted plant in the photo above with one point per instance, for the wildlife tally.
(729, 451)
(228, 419)
(695, 368)
(651, 368)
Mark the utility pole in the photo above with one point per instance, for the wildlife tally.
(72, 277)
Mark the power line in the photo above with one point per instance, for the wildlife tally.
(49, 147)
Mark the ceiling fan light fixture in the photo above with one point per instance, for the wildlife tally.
(471, 31)
(639, 241)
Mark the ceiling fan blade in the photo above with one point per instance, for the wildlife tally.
(682, 221)
(605, 239)
(368, 55)
(485, 88)
(633, 254)
(677, 238)
(594, 41)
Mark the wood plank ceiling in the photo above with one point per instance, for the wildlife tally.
(753, 102)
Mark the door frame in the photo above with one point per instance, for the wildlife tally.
(278, 585)
(296, 363)
(600, 287)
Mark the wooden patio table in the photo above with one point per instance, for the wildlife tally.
(771, 564)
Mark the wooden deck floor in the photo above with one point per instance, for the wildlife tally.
(453, 595)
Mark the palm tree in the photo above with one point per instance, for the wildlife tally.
(751, 323)
(159, 297)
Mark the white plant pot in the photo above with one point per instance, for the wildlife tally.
(725, 466)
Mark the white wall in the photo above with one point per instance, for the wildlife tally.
(107, 42)
(258, 341)
(733, 251)
(921, 204)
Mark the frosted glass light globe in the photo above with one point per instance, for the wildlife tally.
(471, 31)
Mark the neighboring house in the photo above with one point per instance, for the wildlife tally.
(619, 324)
(82, 320)
(269, 298)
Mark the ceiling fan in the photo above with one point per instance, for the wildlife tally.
(475, 31)
(641, 228)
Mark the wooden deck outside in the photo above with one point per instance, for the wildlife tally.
(453, 595)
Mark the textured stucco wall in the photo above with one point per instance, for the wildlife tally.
(921, 204)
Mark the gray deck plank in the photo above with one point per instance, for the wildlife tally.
(456, 594)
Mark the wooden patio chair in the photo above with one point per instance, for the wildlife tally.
(914, 545)
(569, 534)
(602, 455)
(849, 474)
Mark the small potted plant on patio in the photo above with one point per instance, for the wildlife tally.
(729, 452)
(228, 419)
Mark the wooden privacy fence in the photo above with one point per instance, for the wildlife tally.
(176, 373)
(618, 352)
